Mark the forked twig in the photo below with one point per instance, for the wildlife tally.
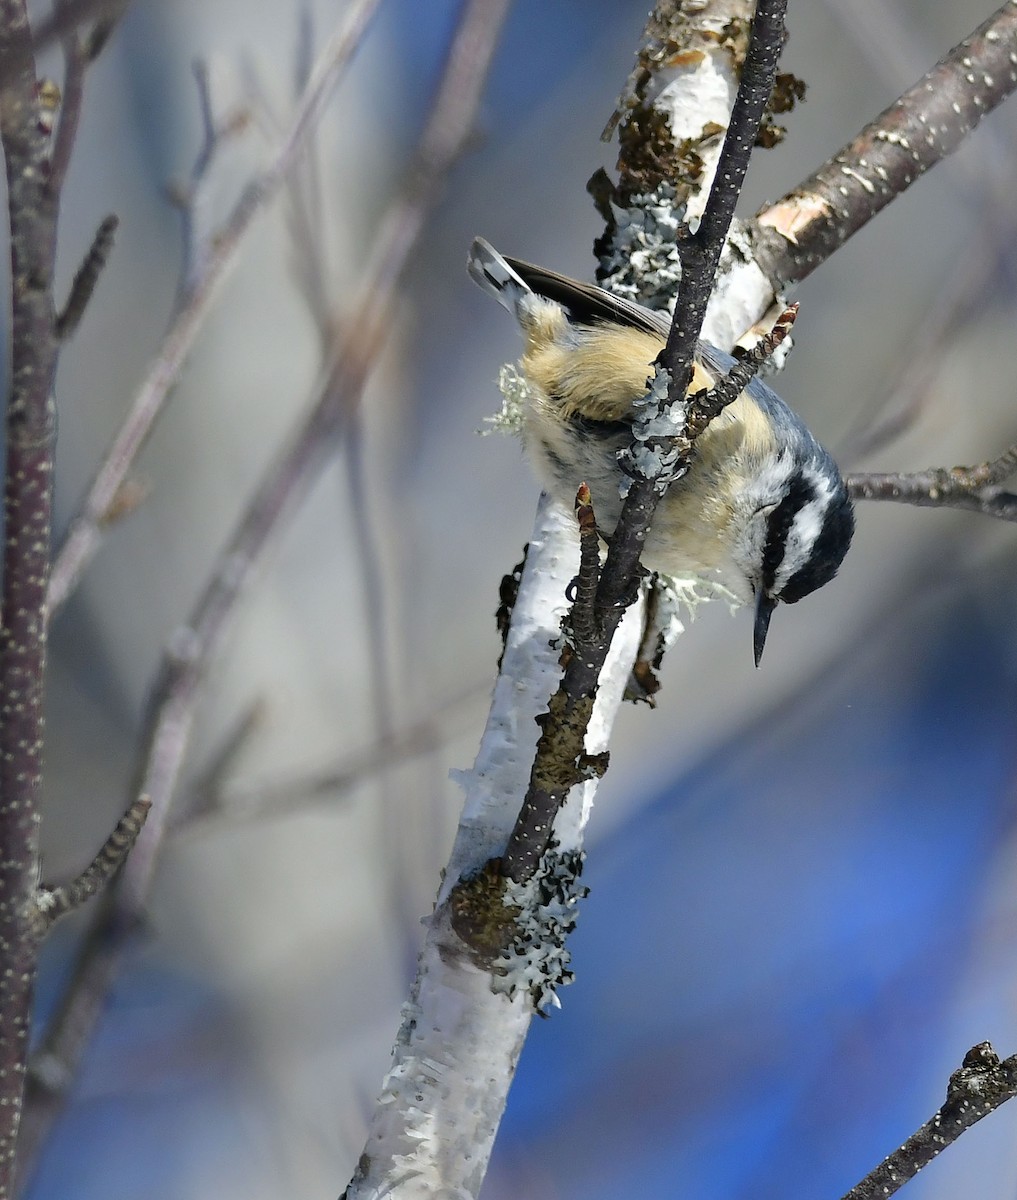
(229, 802)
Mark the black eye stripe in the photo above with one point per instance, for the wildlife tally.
(828, 552)
(778, 525)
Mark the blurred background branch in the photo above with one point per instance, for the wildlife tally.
(195, 644)
(207, 257)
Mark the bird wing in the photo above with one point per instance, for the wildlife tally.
(587, 303)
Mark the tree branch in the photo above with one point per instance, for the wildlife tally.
(975, 489)
(929, 121)
(66, 132)
(67, 16)
(86, 277)
(28, 492)
(53, 902)
(196, 642)
(563, 732)
(231, 802)
(977, 1088)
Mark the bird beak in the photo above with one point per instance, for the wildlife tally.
(764, 610)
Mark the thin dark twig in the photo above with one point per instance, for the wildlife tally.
(28, 494)
(928, 122)
(584, 614)
(699, 253)
(86, 278)
(564, 728)
(977, 1088)
(195, 643)
(52, 902)
(730, 386)
(973, 488)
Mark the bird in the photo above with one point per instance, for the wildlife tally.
(762, 509)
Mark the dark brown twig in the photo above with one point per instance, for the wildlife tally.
(928, 122)
(196, 642)
(975, 489)
(730, 386)
(28, 492)
(977, 1088)
(86, 278)
(699, 254)
(584, 615)
(564, 728)
(53, 902)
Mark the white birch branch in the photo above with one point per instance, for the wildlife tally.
(464, 1025)
(457, 1048)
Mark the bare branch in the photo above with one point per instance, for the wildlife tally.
(86, 528)
(584, 593)
(228, 802)
(306, 212)
(52, 902)
(928, 122)
(973, 488)
(977, 1088)
(86, 278)
(902, 401)
(729, 387)
(560, 761)
(199, 243)
(28, 494)
(207, 799)
(197, 641)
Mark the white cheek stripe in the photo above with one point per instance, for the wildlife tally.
(805, 528)
(771, 479)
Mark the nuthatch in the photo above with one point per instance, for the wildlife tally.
(762, 507)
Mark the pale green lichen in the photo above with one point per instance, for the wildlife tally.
(516, 396)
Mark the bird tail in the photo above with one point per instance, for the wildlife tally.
(495, 276)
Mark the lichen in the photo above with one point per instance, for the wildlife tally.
(639, 250)
(788, 90)
(516, 395)
(546, 908)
